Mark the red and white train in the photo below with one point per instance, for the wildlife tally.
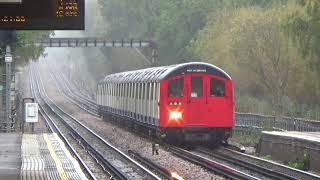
(190, 102)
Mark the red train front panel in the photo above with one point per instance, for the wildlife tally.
(196, 100)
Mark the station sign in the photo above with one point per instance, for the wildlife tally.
(42, 14)
(31, 112)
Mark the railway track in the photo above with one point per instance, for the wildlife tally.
(79, 93)
(240, 166)
(264, 168)
(211, 165)
(119, 164)
(53, 127)
(82, 102)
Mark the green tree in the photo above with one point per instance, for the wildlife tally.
(263, 49)
(166, 22)
(17, 40)
(303, 26)
(249, 44)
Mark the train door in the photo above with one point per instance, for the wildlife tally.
(196, 100)
(218, 99)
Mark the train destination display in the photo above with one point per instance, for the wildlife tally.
(42, 14)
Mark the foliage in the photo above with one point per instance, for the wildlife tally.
(250, 139)
(262, 44)
(172, 24)
(267, 157)
(303, 26)
(249, 104)
(251, 39)
(250, 45)
(23, 53)
(303, 163)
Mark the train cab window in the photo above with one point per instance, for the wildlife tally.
(196, 87)
(175, 88)
(217, 88)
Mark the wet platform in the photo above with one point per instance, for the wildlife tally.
(291, 145)
(36, 156)
(10, 156)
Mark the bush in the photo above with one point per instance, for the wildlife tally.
(303, 164)
(267, 157)
(247, 139)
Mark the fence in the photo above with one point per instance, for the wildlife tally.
(257, 121)
(251, 121)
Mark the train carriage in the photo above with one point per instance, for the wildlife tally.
(190, 102)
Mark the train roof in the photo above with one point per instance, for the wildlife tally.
(156, 74)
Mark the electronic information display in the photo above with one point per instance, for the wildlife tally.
(42, 14)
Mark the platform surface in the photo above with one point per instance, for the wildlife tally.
(44, 156)
(10, 159)
(36, 157)
(309, 136)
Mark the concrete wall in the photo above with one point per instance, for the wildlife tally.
(286, 148)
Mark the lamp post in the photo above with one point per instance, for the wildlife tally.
(8, 61)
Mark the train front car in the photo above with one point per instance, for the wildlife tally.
(190, 102)
(197, 104)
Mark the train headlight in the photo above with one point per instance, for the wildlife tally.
(175, 115)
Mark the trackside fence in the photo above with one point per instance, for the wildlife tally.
(250, 121)
(247, 121)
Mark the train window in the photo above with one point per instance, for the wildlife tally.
(175, 88)
(196, 87)
(140, 91)
(135, 91)
(143, 91)
(217, 87)
(151, 91)
(147, 90)
(117, 90)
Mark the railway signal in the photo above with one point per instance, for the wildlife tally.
(98, 42)
(75, 42)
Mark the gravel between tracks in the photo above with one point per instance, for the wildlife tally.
(123, 139)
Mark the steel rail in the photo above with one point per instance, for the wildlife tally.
(163, 171)
(75, 99)
(209, 164)
(276, 168)
(256, 168)
(106, 162)
(251, 166)
(58, 110)
(54, 128)
(219, 168)
(79, 94)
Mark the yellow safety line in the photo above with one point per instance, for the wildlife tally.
(54, 156)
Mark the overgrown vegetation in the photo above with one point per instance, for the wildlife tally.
(267, 157)
(252, 44)
(302, 163)
(269, 47)
(250, 139)
(16, 39)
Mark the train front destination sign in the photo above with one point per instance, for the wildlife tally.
(42, 14)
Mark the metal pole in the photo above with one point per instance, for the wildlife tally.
(8, 60)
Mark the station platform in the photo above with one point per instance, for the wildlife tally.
(36, 156)
(286, 146)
